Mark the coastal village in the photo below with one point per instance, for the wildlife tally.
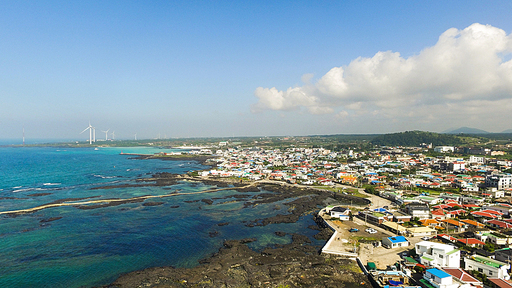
(428, 221)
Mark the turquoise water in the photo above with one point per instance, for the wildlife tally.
(93, 247)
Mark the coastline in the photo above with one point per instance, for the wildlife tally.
(299, 263)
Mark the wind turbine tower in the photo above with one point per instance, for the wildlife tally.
(113, 138)
(90, 132)
(135, 136)
(106, 134)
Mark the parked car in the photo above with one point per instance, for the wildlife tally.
(353, 230)
(426, 238)
(372, 231)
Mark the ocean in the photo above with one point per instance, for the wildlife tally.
(71, 247)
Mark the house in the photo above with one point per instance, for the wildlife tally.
(500, 283)
(499, 181)
(394, 227)
(439, 279)
(421, 211)
(400, 217)
(454, 224)
(444, 149)
(494, 237)
(446, 238)
(463, 277)
(395, 242)
(340, 212)
(430, 222)
(386, 278)
(485, 214)
(374, 217)
(502, 208)
(421, 231)
(472, 223)
(437, 254)
(503, 255)
(471, 242)
(499, 224)
(490, 267)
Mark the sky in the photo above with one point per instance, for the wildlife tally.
(252, 68)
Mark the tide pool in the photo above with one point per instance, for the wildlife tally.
(73, 247)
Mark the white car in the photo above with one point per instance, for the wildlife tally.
(371, 230)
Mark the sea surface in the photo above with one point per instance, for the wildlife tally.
(93, 247)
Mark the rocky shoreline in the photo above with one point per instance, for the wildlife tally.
(298, 264)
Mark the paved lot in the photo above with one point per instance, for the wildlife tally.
(345, 241)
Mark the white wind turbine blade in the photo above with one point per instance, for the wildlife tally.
(84, 130)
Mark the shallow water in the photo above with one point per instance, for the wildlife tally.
(93, 247)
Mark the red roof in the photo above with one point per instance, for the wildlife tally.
(462, 275)
(471, 241)
(454, 222)
(501, 283)
(504, 225)
(438, 213)
(451, 204)
(457, 212)
(470, 206)
(492, 212)
(484, 214)
(447, 237)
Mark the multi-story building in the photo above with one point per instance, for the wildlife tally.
(444, 149)
(422, 211)
(439, 279)
(490, 267)
(437, 254)
(500, 181)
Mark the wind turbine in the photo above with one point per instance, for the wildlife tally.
(90, 132)
(113, 138)
(135, 136)
(106, 134)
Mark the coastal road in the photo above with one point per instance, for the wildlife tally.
(377, 201)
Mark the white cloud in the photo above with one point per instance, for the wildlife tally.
(463, 68)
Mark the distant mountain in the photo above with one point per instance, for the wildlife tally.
(466, 130)
(507, 131)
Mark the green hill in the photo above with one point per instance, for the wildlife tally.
(415, 138)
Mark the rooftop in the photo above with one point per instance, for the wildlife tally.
(438, 273)
(488, 261)
(397, 239)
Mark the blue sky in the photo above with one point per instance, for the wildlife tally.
(252, 68)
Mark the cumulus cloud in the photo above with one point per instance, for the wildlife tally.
(464, 68)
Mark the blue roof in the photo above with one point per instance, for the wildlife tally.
(438, 273)
(397, 239)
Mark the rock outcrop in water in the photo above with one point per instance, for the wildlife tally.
(298, 264)
(235, 265)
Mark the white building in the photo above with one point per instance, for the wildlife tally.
(438, 254)
(444, 149)
(340, 212)
(500, 181)
(395, 242)
(476, 159)
(490, 267)
(439, 278)
(421, 211)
